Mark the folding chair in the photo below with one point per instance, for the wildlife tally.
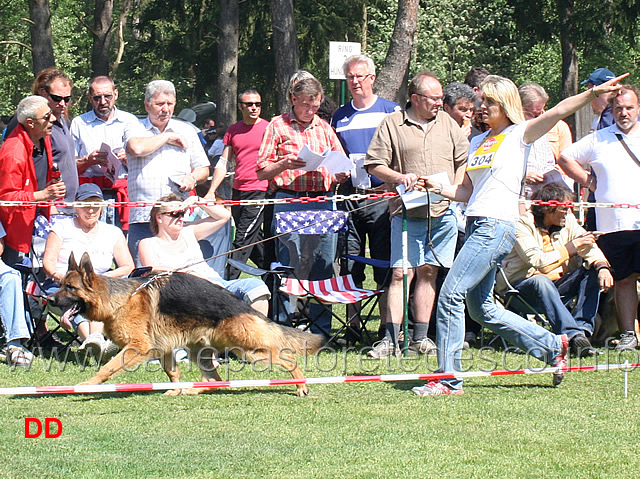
(340, 290)
(309, 238)
(41, 315)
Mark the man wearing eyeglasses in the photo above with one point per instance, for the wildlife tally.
(26, 175)
(242, 141)
(104, 123)
(420, 141)
(355, 123)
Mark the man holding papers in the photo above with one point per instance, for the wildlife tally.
(278, 161)
(98, 137)
(419, 141)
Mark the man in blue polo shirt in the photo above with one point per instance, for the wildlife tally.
(355, 123)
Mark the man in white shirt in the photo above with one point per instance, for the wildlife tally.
(104, 123)
(613, 153)
(163, 155)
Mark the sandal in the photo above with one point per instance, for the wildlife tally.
(19, 357)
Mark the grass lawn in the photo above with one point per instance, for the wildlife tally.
(509, 426)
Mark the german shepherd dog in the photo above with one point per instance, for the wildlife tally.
(150, 317)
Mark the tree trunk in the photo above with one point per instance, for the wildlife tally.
(41, 40)
(227, 63)
(285, 47)
(122, 21)
(102, 23)
(396, 64)
(569, 55)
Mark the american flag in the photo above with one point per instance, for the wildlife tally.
(311, 222)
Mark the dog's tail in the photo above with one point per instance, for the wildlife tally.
(286, 337)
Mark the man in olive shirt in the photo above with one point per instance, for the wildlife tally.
(419, 141)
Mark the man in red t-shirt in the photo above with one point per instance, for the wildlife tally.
(242, 140)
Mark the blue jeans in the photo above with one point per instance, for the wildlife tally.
(321, 267)
(137, 232)
(12, 313)
(472, 276)
(550, 296)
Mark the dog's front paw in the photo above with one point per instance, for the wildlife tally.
(191, 391)
(173, 392)
(90, 382)
(302, 391)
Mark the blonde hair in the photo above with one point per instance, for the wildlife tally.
(504, 92)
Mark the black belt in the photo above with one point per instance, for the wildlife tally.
(368, 191)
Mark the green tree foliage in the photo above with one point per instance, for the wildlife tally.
(178, 40)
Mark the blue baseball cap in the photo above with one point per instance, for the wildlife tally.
(89, 190)
(599, 76)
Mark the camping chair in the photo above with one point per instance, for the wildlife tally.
(327, 292)
(41, 315)
(302, 233)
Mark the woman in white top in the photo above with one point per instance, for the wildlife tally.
(104, 243)
(174, 246)
(492, 186)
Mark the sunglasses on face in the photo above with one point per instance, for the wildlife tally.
(176, 214)
(58, 98)
(252, 103)
(45, 117)
(97, 98)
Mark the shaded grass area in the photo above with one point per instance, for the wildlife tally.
(516, 426)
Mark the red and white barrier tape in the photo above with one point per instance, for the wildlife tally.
(111, 388)
(303, 200)
(266, 201)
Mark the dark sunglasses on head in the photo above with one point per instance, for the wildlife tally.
(176, 214)
(99, 97)
(252, 103)
(58, 98)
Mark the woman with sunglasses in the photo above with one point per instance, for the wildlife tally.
(492, 187)
(174, 247)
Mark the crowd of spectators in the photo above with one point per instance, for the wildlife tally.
(477, 147)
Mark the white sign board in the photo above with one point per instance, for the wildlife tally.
(338, 53)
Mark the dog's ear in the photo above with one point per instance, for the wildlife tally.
(73, 266)
(86, 268)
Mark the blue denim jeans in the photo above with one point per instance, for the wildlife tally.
(137, 232)
(12, 313)
(549, 297)
(472, 276)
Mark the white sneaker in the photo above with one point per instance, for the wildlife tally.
(93, 344)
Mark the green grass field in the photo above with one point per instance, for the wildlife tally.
(509, 426)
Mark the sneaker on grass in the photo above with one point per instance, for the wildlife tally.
(383, 349)
(424, 346)
(435, 388)
(560, 361)
(628, 341)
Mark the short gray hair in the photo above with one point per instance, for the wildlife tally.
(158, 86)
(458, 91)
(29, 106)
(531, 92)
(353, 59)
